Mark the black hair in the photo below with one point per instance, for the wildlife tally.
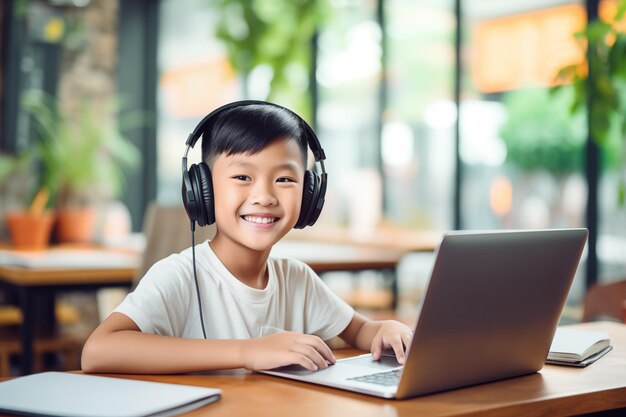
(250, 129)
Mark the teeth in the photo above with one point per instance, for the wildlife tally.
(259, 220)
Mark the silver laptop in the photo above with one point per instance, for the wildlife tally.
(490, 311)
(66, 394)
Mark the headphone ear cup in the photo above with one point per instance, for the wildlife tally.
(310, 195)
(206, 189)
(190, 200)
(201, 184)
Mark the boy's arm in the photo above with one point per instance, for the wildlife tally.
(375, 336)
(118, 346)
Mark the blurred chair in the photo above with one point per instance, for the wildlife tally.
(167, 231)
(69, 347)
(606, 300)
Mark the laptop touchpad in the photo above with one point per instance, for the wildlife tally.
(385, 362)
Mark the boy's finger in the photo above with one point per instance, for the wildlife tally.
(406, 339)
(377, 347)
(395, 341)
(311, 353)
(326, 352)
(398, 348)
(305, 362)
(322, 348)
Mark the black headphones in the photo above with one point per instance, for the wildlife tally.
(197, 188)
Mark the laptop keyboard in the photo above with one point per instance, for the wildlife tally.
(388, 379)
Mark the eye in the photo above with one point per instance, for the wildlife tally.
(285, 179)
(243, 178)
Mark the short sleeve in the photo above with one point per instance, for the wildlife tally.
(159, 303)
(326, 314)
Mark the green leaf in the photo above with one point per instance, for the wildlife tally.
(617, 57)
(621, 10)
(596, 32)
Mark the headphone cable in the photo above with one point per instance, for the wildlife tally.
(195, 274)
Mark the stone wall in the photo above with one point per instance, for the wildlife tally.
(89, 56)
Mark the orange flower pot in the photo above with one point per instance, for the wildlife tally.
(76, 225)
(29, 231)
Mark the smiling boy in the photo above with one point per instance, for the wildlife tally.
(226, 303)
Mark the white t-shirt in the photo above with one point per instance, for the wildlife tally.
(295, 299)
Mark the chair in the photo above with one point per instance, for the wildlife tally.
(69, 347)
(66, 345)
(606, 300)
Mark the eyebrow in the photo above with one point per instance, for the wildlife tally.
(287, 165)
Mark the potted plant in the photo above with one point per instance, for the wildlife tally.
(83, 158)
(600, 83)
(28, 228)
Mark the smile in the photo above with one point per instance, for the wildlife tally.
(260, 219)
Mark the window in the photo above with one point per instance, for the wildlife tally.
(418, 151)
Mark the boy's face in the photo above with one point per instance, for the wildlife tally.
(257, 197)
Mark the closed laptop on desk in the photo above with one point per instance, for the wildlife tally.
(491, 308)
(61, 394)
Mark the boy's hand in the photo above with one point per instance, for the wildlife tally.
(287, 348)
(392, 334)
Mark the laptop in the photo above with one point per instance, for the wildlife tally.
(65, 394)
(490, 312)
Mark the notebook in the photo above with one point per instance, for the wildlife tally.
(74, 395)
(490, 311)
(574, 347)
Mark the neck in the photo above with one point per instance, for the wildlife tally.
(247, 265)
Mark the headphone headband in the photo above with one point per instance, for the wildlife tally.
(312, 140)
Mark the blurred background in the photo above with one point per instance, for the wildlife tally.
(456, 114)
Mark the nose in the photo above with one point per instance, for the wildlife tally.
(263, 195)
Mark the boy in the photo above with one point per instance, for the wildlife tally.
(260, 312)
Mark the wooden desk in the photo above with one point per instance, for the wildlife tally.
(554, 391)
(36, 284)
(47, 276)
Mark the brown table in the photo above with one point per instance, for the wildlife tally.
(38, 281)
(554, 391)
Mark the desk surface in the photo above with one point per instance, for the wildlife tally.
(554, 391)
